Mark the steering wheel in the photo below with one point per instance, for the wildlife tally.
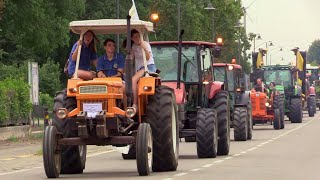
(113, 69)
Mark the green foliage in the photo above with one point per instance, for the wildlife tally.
(46, 100)
(14, 99)
(314, 52)
(50, 78)
(13, 138)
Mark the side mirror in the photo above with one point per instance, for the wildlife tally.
(203, 53)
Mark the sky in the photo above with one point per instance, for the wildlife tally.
(287, 23)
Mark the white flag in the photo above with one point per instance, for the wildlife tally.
(133, 12)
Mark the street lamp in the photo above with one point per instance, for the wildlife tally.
(211, 8)
(270, 44)
(254, 40)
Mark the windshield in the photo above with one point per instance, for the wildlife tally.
(219, 73)
(166, 60)
(279, 77)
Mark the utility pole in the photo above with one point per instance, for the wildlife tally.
(179, 15)
(118, 37)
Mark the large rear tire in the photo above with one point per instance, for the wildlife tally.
(51, 153)
(276, 119)
(296, 110)
(162, 116)
(144, 149)
(73, 158)
(221, 104)
(240, 125)
(207, 133)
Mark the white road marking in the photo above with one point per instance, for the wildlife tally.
(167, 178)
(23, 170)
(259, 145)
(207, 165)
(235, 155)
(243, 152)
(226, 158)
(18, 171)
(218, 161)
(180, 174)
(251, 149)
(194, 170)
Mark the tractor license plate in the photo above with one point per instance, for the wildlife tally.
(257, 95)
(92, 109)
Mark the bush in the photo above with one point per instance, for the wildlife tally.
(14, 100)
(46, 100)
(49, 78)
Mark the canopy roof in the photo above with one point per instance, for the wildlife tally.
(109, 26)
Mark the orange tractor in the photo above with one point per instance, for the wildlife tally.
(264, 111)
(92, 113)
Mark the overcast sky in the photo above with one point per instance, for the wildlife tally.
(287, 23)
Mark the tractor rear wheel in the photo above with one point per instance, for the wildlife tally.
(207, 133)
(73, 158)
(161, 114)
(278, 103)
(240, 125)
(222, 106)
(296, 110)
(51, 153)
(276, 119)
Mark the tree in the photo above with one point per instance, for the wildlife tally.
(314, 52)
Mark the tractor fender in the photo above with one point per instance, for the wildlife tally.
(213, 89)
(312, 91)
(243, 99)
(180, 93)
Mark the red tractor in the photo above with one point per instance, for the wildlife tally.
(203, 105)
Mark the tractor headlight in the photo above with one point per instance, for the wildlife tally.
(62, 113)
(130, 112)
(267, 104)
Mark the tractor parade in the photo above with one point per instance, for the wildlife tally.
(140, 103)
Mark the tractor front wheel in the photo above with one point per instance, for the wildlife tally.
(51, 153)
(276, 119)
(240, 125)
(144, 149)
(207, 133)
(296, 110)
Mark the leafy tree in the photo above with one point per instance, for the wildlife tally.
(314, 52)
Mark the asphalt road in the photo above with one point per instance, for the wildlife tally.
(292, 153)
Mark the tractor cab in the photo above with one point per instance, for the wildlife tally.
(196, 60)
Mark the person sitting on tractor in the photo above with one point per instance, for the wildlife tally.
(88, 55)
(138, 48)
(111, 64)
(258, 87)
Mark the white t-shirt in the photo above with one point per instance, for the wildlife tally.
(137, 51)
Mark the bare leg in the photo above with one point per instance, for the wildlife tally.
(135, 80)
(86, 75)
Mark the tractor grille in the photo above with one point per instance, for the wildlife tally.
(96, 89)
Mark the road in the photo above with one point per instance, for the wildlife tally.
(292, 153)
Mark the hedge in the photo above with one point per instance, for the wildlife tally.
(14, 99)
